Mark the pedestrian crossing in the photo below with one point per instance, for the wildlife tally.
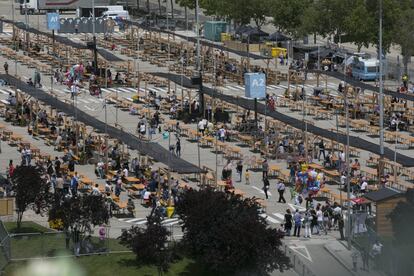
(277, 88)
(272, 219)
(142, 221)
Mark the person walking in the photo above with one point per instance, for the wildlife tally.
(265, 168)
(288, 222)
(266, 185)
(354, 256)
(178, 148)
(365, 260)
(239, 169)
(307, 222)
(341, 225)
(281, 190)
(247, 177)
(298, 223)
(6, 68)
(321, 150)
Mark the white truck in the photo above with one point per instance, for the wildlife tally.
(36, 6)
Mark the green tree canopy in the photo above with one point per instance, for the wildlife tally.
(32, 190)
(227, 235)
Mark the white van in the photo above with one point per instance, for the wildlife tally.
(116, 14)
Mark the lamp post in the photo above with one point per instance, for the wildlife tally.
(381, 97)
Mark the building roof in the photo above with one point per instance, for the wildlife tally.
(382, 194)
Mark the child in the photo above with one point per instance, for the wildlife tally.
(247, 177)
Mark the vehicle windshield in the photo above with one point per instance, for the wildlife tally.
(372, 69)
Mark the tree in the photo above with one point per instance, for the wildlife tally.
(287, 14)
(149, 244)
(80, 212)
(404, 31)
(226, 234)
(359, 26)
(403, 227)
(32, 190)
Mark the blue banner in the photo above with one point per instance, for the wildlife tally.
(255, 85)
(53, 21)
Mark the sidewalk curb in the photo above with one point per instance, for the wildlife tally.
(339, 260)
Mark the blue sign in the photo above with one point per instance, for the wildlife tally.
(255, 85)
(53, 21)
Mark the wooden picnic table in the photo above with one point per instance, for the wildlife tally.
(86, 180)
(131, 180)
(370, 173)
(138, 187)
(221, 184)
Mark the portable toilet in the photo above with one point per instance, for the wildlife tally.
(213, 30)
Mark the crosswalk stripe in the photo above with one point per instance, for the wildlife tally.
(124, 90)
(274, 87)
(283, 86)
(269, 218)
(134, 220)
(172, 223)
(161, 90)
(279, 216)
(332, 85)
(141, 222)
(4, 92)
(239, 87)
(169, 220)
(82, 100)
(106, 90)
(232, 87)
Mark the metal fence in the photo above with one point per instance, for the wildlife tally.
(58, 244)
(4, 247)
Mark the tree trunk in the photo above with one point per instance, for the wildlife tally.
(172, 9)
(138, 5)
(19, 219)
(148, 6)
(159, 7)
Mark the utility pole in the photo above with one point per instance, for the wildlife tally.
(198, 61)
(14, 40)
(95, 54)
(381, 98)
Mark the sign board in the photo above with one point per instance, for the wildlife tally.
(53, 22)
(255, 85)
(6, 207)
(58, 4)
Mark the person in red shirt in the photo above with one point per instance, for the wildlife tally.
(10, 169)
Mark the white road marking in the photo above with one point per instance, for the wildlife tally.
(279, 216)
(261, 191)
(269, 218)
(303, 251)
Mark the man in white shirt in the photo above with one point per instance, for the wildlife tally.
(222, 134)
(74, 89)
(125, 172)
(281, 190)
(201, 127)
(364, 187)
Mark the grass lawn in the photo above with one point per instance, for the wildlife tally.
(123, 264)
(26, 227)
(41, 244)
(44, 241)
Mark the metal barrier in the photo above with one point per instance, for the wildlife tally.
(4, 247)
(59, 244)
